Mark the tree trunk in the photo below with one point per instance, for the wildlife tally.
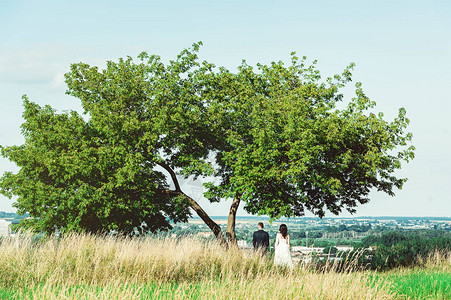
(230, 232)
(195, 206)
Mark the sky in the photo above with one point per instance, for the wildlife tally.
(402, 52)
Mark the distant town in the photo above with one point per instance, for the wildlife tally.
(317, 236)
(309, 235)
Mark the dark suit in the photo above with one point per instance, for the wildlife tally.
(261, 240)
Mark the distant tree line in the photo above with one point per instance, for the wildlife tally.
(342, 227)
(400, 248)
(9, 215)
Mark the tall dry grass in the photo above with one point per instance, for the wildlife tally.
(93, 267)
(438, 261)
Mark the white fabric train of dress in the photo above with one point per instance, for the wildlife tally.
(282, 255)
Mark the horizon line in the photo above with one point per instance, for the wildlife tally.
(334, 217)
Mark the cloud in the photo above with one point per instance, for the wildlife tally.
(40, 63)
(58, 80)
(46, 64)
(31, 66)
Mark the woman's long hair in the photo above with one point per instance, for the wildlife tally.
(283, 230)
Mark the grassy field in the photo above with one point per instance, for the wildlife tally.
(419, 284)
(90, 267)
(431, 281)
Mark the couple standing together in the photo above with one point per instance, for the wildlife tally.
(282, 254)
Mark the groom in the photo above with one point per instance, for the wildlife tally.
(261, 239)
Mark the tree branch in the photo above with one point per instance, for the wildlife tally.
(193, 204)
(173, 176)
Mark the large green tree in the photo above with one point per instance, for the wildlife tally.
(273, 137)
(72, 177)
(289, 148)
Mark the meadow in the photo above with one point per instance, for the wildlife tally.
(83, 266)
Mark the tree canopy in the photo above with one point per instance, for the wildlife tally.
(272, 135)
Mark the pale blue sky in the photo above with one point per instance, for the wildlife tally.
(402, 50)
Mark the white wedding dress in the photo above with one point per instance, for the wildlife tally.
(282, 254)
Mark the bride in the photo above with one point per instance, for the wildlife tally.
(282, 255)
